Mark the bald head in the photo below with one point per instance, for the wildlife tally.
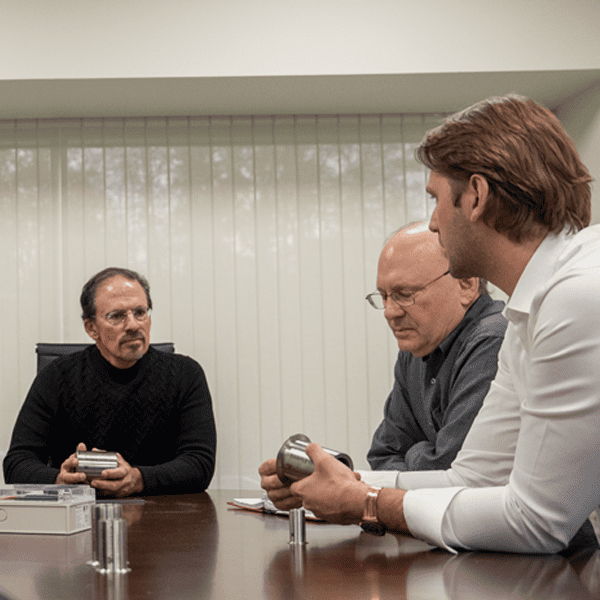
(416, 245)
(413, 265)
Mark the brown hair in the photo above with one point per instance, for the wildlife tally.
(88, 293)
(534, 173)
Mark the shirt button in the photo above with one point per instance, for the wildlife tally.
(432, 380)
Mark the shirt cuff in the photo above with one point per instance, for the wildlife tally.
(384, 479)
(424, 512)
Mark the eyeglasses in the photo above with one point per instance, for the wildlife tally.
(401, 298)
(118, 317)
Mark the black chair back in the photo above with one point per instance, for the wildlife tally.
(46, 353)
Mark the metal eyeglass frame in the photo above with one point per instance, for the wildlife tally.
(400, 301)
(111, 317)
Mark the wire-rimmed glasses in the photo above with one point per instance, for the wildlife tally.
(401, 297)
(118, 317)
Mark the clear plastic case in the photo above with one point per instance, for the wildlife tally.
(46, 508)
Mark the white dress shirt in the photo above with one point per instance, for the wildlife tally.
(528, 474)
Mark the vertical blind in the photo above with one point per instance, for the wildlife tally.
(260, 238)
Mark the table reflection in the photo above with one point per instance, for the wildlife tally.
(476, 575)
(396, 567)
(196, 547)
(173, 548)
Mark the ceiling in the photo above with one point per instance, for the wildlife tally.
(327, 94)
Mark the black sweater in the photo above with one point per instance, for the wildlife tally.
(157, 414)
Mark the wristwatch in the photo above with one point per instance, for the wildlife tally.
(370, 523)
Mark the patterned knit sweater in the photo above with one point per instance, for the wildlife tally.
(157, 414)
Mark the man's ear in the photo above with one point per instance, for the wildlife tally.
(474, 199)
(469, 290)
(91, 328)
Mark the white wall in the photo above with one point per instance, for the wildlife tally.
(82, 39)
(81, 58)
(74, 39)
(260, 239)
(581, 117)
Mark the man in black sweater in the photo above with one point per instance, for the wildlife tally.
(153, 408)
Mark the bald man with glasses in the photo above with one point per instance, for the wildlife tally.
(449, 332)
(152, 408)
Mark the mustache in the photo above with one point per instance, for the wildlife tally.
(131, 337)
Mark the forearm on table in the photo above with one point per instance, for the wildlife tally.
(390, 510)
(28, 470)
(389, 446)
(184, 472)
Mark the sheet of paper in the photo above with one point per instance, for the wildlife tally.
(265, 505)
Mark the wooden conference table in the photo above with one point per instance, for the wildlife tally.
(197, 546)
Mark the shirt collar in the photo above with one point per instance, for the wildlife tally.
(540, 268)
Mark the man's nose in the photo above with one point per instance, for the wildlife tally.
(393, 310)
(433, 226)
(131, 322)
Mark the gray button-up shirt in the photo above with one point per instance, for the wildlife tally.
(435, 398)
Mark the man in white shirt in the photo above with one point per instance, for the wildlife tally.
(513, 206)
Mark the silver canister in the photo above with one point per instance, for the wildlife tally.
(297, 526)
(111, 586)
(114, 546)
(93, 462)
(294, 464)
(102, 512)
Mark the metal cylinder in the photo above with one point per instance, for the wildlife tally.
(114, 545)
(111, 586)
(298, 559)
(92, 463)
(102, 512)
(294, 464)
(297, 526)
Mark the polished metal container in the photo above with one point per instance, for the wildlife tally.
(294, 464)
(93, 462)
(114, 547)
(102, 512)
(297, 526)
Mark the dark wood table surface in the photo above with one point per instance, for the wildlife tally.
(196, 546)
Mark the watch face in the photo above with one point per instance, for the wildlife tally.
(374, 528)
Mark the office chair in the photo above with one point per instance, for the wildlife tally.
(46, 353)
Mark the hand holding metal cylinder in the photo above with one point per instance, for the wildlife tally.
(92, 463)
(294, 464)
